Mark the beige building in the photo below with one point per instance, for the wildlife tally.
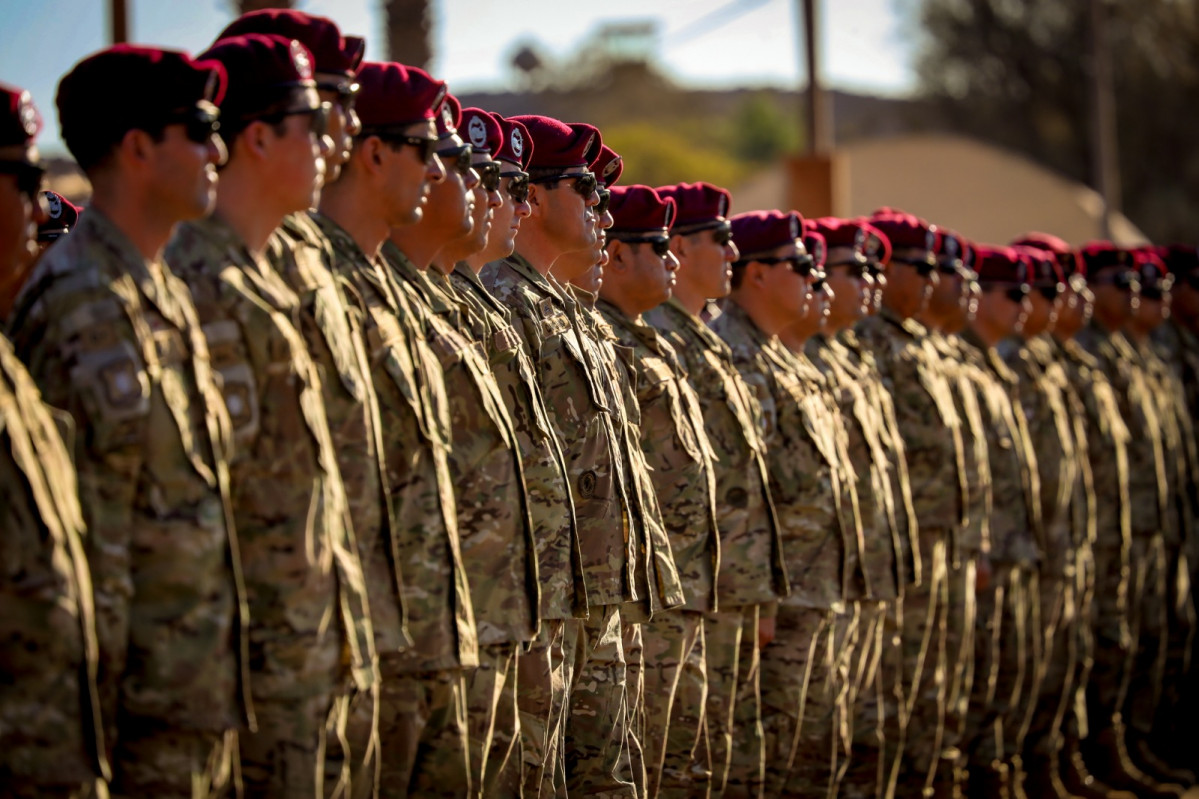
(981, 191)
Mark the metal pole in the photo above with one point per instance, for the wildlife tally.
(1105, 162)
(118, 22)
(819, 118)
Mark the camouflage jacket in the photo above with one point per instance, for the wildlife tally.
(964, 380)
(289, 503)
(752, 569)
(49, 622)
(1178, 349)
(583, 414)
(1016, 530)
(927, 419)
(1102, 426)
(115, 340)
(485, 464)
(678, 452)
(659, 579)
(1178, 441)
(1043, 398)
(1147, 492)
(416, 440)
(906, 530)
(331, 321)
(871, 461)
(809, 476)
(551, 506)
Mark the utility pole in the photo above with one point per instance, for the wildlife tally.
(1105, 160)
(819, 119)
(118, 22)
(816, 178)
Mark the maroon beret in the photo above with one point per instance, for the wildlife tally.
(1067, 257)
(1151, 269)
(449, 117)
(483, 131)
(1043, 267)
(1000, 265)
(760, 232)
(395, 96)
(126, 87)
(639, 209)
(816, 245)
(263, 70)
(844, 239)
(19, 120)
(952, 251)
(607, 166)
(700, 205)
(906, 231)
(1180, 259)
(61, 216)
(561, 145)
(333, 54)
(517, 146)
(1098, 255)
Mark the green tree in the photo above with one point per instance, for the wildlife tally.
(1017, 73)
(762, 132)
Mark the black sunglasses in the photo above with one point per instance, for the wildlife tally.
(518, 185)
(426, 147)
(489, 174)
(1124, 279)
(29, 176)
(660, 244)
(853, 269)
(802, 265)
(722, 235)
(922, 266)
(605, 198)
(199, 124)
(584, 183)
(1048, 292)
(457, 157)
(347, 93)
(1016, 294)
(318, 117)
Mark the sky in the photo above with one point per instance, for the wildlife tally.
(701, 42)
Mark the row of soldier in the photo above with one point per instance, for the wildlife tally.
(412, 456)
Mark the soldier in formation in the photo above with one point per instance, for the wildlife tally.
(354, 443)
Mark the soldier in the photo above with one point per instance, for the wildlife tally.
(950, 309)
(53, 737)
(112, 336)
(928, 421)
(772, 290)
(581, 400)
(302, 255)
(873, 709)
(61, 216)
(518, 748)
(493, 518)
(289, 503)
(637, 278)
(385, 184)
(1168, 621)
(752, 575)
(1004, 669)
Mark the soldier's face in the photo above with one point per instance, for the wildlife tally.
(505, 220)
(184, 173)
(568, 217)
(710, 255)
(450, 210)
(654, 274)
(298, 163)
(343, 127)
(787, 290)
(907, 290)
(1185, 301)
(851, 296)
(407, 179)
(20, 214)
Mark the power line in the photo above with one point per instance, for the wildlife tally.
(712, 21)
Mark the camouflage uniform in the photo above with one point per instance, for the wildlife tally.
(422, 725)
(551, 507)
(963, 372)
(928, 421)
(1046, 398)
(681, 459)
(1167, 620)
(803, 701)
(52, 736)
(303, 256)
(752, 573)
(498, 550)
(115, 340)
(289, 505)
(875, 692)
(1006, 632)
(590, 664)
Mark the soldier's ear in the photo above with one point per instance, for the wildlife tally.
(618, 255)
(679, 246)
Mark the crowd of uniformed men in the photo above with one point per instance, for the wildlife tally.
(417, 456)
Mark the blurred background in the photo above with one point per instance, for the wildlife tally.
(990, 117)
